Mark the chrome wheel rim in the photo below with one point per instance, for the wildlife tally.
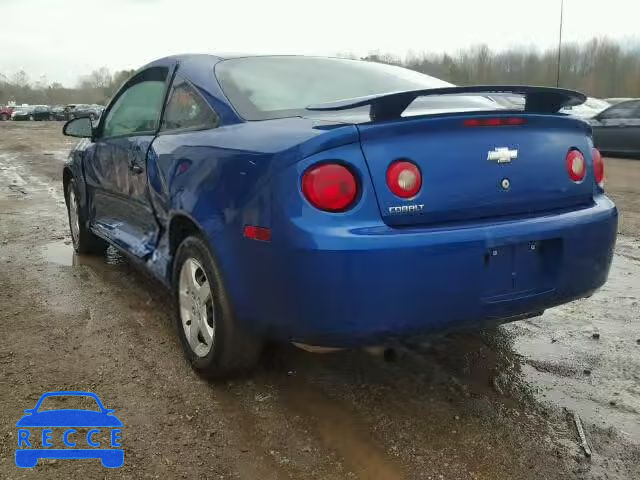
(74, 220)
(197, 311)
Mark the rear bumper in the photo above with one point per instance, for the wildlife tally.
(337, 287)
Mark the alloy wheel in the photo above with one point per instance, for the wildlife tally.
(74, 217)
(197, 312)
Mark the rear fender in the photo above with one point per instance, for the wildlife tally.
(298, 223)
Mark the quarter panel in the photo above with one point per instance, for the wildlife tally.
(222, 179)
(219, 188)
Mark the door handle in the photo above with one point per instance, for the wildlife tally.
(135, 169)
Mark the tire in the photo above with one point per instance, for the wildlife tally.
(31, 118)
(4, 117)
(227, 349)
(83, 240)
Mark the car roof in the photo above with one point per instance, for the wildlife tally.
(223, 55)
(216, 57)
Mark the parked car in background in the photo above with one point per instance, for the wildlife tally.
(510, 102)
(616, 131)
(42, 112)
(589, 109)
(32, 112)
(23, 113)
(5, 113)
(58, 113)
(338, 203)
(68, 109)
(617, 100)
(84, 110)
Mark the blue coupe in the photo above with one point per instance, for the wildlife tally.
(337, 203)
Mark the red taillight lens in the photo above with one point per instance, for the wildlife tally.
(404, 179)
(576, 166)
(330, 187)
(598, 167)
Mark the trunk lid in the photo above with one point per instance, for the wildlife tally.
(525, 173)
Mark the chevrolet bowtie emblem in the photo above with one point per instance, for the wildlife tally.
(502, 155)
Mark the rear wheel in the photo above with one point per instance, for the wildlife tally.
(83, 240)
(4, 117)
(213, 341)
(31, 118)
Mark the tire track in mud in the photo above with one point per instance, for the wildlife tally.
(339, 429)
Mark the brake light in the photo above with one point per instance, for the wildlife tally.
(494, 122)
(404, 179)
(598, 167)
(576, 166)
(330, 187)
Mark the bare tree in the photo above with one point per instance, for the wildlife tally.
(600, 67)
(21, 79)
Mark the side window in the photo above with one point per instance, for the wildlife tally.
(138, 108)
(187, 109)
(624, 110)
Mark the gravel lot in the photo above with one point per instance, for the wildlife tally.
(498, 404)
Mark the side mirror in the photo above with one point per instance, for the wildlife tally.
(29, 410)
(78, 127)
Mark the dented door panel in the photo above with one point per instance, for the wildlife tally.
(117, 179)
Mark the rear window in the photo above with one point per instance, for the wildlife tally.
(280, 86)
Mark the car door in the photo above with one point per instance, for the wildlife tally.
(617, 129)
(631, 134)
(116, 175)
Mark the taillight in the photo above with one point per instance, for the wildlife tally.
(330, 187)
(404, 179)
(598, 167)
(576, 166)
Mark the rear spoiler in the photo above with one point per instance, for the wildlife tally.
(387, 106)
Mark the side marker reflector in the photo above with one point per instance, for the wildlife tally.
(257, 233)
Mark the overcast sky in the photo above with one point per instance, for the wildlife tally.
(67, 38)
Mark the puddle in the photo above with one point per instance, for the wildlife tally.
(585, 356)
(61, 253)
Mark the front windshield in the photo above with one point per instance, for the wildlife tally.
(277, 86)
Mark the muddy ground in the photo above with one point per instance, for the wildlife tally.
(498, 404)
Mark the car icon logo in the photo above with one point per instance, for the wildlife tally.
(60, 433)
